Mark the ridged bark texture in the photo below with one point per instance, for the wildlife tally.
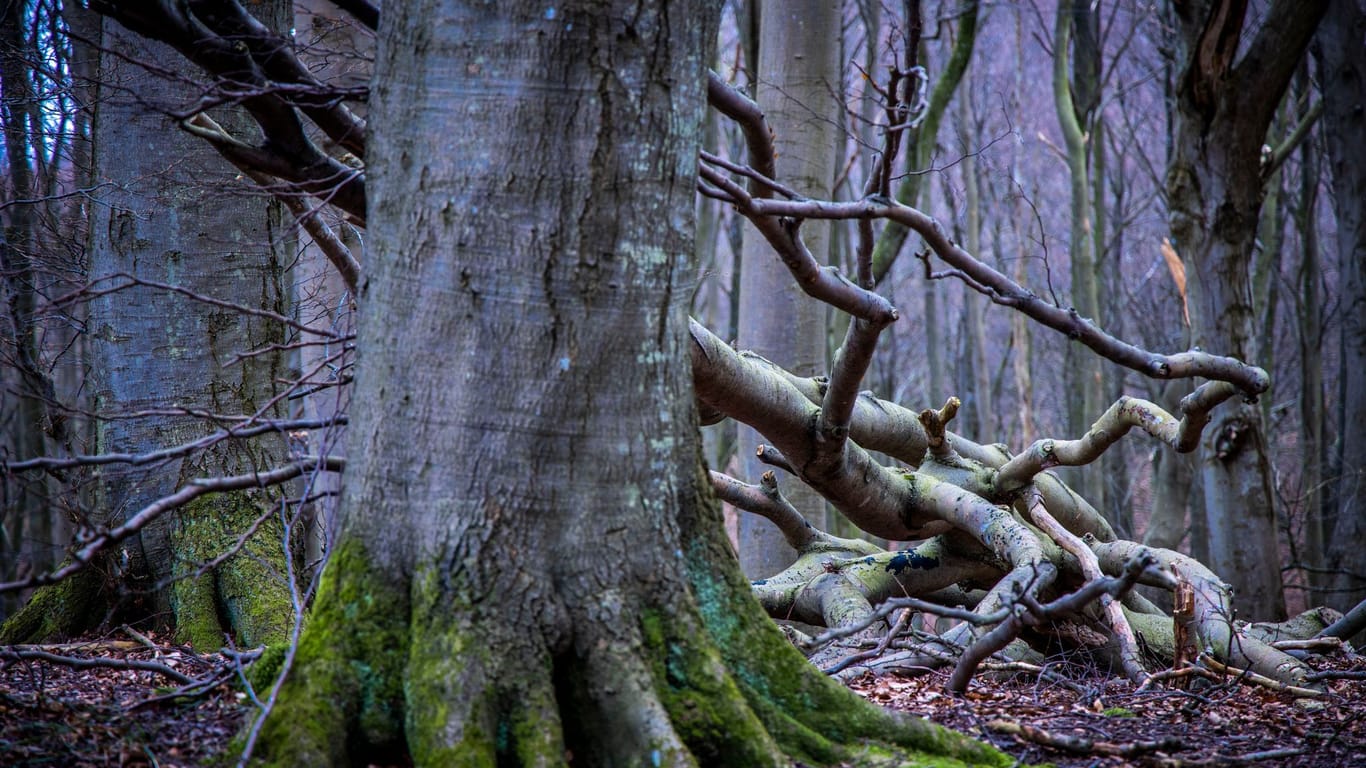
(175, 215)
(530, 566)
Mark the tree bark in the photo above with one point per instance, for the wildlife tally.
(1074, 100)
(174, 217)
(1342, 63)
(26, 519)
(1214, 190)
(529, 565)
(797, 88)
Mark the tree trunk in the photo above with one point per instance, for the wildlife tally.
(1309, 321)
(797, 88)
(1214, 190)
(981, 414)
(174, 217)
(1342, 64)
(1073, 100)
(25, 519)
(529, 565)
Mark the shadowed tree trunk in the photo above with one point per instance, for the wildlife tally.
(1341, 49)
(1075, 99)
(173, 216)
(25, 519)
(529, 564)
(1224, 105)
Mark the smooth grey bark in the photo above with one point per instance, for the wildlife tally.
(1224, 105)
(1341, 52)
(528, 564)
(176, 216)
(797, 88)
(980, 416)
(1173, 483)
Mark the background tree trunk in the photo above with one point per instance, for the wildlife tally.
(176, 216)
(797, 87)
(1075, 99)
(1214, 190)
(26, 525)
(1342, 72)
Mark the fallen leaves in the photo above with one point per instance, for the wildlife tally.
(1088, 720)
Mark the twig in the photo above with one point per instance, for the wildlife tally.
(25, 653)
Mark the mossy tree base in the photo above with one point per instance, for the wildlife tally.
(245, 596)
(391, 671)
(58, 611)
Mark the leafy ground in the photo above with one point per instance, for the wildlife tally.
(1094, 721)
(52, 714)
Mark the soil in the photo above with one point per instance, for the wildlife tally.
(52, 714)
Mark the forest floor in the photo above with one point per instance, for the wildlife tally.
(55, 714)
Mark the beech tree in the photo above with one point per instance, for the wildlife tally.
(531, 562)
(174, 254)
(1233, 75)
(795, 81)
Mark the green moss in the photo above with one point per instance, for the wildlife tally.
(57, 612)
(706, 708)
(262, 672)
(196, 613)
(1118, 712)
(245, 594)
(343, 701)
(811, 716)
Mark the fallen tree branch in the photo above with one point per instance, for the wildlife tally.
(1129, 657)
(1262, 680)
(1029, 612)
(1081, 745)
(31, 653)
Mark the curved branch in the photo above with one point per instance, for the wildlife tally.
(765, 500)
(1251, 380)
(1115, 423)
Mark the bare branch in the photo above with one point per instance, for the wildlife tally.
(196, 488)
(28, 653)
(1126, 413)
(1251, 380)
(176, 451)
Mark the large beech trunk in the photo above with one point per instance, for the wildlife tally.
(529, 565)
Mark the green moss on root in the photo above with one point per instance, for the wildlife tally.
(58, 611)
(245, 595)
(444, 652)
(343, 701)
(812, 717)
(706, 708)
